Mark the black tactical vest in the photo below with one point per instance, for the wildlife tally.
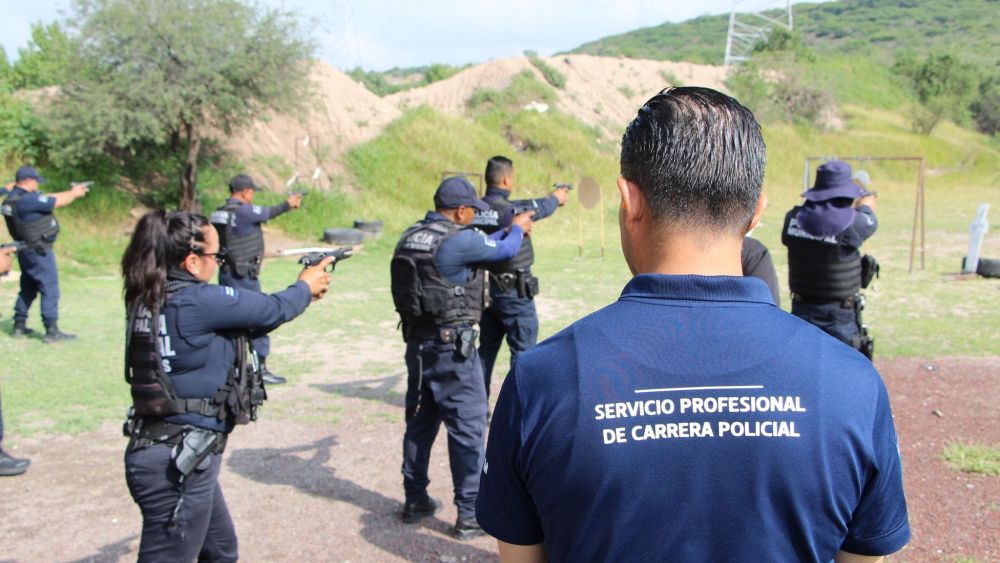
(820, 268)
(243, 254)
(525, 257)
(153, 393)
(423, 297)
(37, 233)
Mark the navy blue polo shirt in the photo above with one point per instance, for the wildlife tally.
(197, 346)
(693, 420)
(33, 205)
(249, 216)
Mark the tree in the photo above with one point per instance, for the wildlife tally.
(45, 61)
(986, 107)
(942, 84)
(167, 73)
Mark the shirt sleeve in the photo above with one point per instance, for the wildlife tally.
(276, 210)
(252, 215)
(864, 226)
(880, 524)
(544, 206)
(227, 308)
(503, 506)
(36, 203)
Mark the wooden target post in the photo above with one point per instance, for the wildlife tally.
(590, 195)
(918, 205)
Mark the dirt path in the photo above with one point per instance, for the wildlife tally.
(320, 481)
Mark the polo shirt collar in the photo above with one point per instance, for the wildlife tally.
(434, 217)
(698, 288)
(497, 192)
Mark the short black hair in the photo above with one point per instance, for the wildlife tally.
(698, 157)
(497, 168)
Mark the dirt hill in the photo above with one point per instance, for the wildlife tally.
(602, 92)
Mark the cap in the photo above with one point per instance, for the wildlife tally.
(242, 182)
(457, 192)
(833, 180)
(28, 173)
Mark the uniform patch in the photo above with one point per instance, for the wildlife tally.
(43, 199)
(229, 291)
(258, 210)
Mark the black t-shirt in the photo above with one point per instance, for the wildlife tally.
(757, 263)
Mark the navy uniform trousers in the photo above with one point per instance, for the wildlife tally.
(261, 344)
(511, 316)
(38, 275)
(451, 391)
(203, 523)
(833, 318)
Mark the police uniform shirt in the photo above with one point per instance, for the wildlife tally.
(197, 354)
(249, 217)
(491, 220)
(33, 205)
(812, 222)
(693, 420)
(756, 261)
(468, 247)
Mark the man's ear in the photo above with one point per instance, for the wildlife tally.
(759, 211)
(633, 205)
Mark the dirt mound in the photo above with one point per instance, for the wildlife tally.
(451, 94)
(343, 114)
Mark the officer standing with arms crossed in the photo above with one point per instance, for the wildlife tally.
(193, 378)
(438, 289)
(238, 223)
(826, 271)
(9, 465)
(30, 220)
(511, 311)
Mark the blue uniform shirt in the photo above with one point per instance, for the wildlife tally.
(249, 217)
(198, 354)
(693, 420)
(33, 205)
(468, 247)
(491, 220)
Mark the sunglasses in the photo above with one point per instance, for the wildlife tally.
(220, 256)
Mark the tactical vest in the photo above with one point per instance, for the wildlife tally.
(243, 254)
(423, 297)
(524, 258)
(153, 394)
(37, 233)
(818, 269)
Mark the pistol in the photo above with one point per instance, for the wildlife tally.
(313, 258)
(17, 246)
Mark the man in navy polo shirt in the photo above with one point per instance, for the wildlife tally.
(692, 420)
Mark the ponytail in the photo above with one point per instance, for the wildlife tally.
(160, 241)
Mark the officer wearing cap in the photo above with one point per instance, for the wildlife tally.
(511, 312)
(438, 289)
(9, 465)
(238, 222)
(825, 268)
(30, 220)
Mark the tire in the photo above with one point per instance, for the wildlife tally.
(375, 226)
(989, 268)
(346, 237)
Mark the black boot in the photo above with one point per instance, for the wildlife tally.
(10, 466)
(468, 528)
(268, 376)
(53, 334)
(21, 330)
(414, 510)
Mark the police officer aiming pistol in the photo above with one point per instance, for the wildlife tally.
(238, 222)
(30, 220)
(826, 270)
(512, 286)
(194, 376)
(439, 291)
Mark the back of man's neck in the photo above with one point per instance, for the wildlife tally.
(687, 255)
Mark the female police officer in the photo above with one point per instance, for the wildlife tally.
(192, 379)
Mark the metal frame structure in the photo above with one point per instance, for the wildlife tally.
(749, 28)
(918, 205)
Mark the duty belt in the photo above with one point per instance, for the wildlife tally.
(148, 431)
(443, 334)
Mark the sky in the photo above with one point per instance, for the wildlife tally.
(382, 34)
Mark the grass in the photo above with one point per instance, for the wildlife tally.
(973, 458)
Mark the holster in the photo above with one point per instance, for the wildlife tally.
(194, 450)
(869, 270)
(527, 284)
(505, 282)
(466, 344)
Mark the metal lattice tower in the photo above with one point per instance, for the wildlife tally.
(750, 27)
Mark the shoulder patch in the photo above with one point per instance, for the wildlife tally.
(230, 292)
(487, 240)
(257, 210)
(43, 199)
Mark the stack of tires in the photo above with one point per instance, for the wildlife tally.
(362, 231)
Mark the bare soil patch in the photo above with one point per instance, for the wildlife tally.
(317, 479)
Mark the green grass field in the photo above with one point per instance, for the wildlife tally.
(77, 386)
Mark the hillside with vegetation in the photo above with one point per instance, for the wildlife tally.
(880, 29)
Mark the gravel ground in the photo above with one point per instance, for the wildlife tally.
(321, 481)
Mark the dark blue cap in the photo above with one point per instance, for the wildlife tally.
(28, 173)
(833, 180)
(242, 182)
(457, 192)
